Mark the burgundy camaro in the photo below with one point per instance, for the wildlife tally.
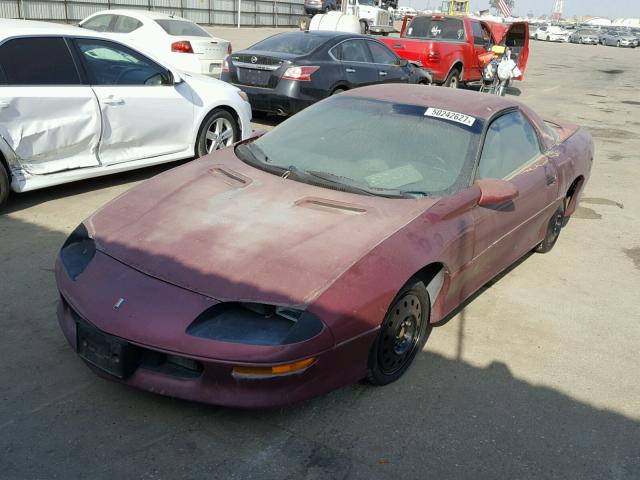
(320, 253)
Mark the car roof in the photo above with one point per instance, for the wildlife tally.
(140, 14)
(11, 28)
(474, 104)
(326, 34)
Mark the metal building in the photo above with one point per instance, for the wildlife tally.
(207, 12)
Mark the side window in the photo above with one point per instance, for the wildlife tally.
(109, 63)
(511, 142)
(478, 33)
(126, 24)
(352, 51)
(381, 54)
(101, 23)
(54, 65)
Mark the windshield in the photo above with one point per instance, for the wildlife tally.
(297, 43)
(182, 28)
(370, 3)
(374, 147)
(439, 28)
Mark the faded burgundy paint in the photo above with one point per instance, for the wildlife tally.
(217, 229)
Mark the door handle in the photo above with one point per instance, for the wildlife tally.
(113, 101)
(383, 74)
(350, 70)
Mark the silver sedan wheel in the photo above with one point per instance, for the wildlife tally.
(219, 134)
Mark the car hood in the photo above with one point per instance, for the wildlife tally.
(229, 231)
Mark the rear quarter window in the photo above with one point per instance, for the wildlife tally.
(436, 28)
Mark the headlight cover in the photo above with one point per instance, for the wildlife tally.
(255, 324)
(77, 252)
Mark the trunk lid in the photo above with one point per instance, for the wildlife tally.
(260, 69)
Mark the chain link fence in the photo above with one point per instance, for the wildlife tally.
(265, 13)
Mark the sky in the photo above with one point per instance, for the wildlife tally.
(602, 8)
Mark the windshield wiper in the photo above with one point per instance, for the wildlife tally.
(358, 187)
(256, 157)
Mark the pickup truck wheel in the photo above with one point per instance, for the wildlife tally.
(5, 185)
(453, 80)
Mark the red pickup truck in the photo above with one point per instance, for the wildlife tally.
(450, 46)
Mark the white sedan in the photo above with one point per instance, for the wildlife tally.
(178, 41)
(552, 34)
(74, 105)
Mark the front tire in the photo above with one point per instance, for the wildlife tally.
(553, 229)
(404, 331)
(219, 130)
(453, 79)
(5, 185)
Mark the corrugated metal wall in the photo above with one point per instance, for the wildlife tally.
(208, 12)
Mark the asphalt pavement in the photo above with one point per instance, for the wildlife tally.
(538, 377)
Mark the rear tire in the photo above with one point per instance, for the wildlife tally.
(219, 129)
(5, 185)
(553, 229)
(404, 331)
(338, 90)
(453, 79)
(364, 27)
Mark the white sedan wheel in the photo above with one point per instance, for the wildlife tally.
(219, 134)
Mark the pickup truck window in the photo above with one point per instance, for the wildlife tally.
(436, 28)
(478, 37)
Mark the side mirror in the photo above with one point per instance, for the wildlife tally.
(403, 62)
(494, 191)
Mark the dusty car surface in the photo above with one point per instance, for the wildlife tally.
(291, 265)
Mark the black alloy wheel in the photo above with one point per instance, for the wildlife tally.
(403, 333)
(553, 229)
(5, 185)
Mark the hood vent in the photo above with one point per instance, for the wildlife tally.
(325, 204)
(230, 177)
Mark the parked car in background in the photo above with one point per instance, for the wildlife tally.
(321, 253)
(290, 71)
(618, 38)
(312, 7)
(588, 37)
(450, 45)
(552, 33)
(175, 40)
(75, 104)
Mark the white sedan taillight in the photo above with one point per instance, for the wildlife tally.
(183, 46)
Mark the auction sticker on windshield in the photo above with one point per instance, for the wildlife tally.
(449, 115)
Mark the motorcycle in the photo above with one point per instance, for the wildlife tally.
(498, 69)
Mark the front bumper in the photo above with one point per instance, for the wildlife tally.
(162, 358)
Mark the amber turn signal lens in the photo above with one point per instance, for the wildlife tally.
(275, 369)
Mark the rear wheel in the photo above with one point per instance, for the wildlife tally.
(548, 38)
(218, 130)
(553, 229)
(453, 79)
(5, 185)
(403, 333)
(364, 27)
(338, 90)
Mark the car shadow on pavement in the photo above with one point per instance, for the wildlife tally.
(445, 418)
(21, 201)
